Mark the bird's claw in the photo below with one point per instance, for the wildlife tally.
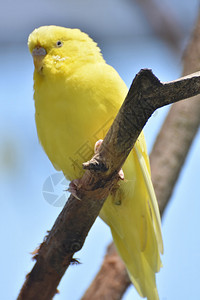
(73, 186)
(96, 149)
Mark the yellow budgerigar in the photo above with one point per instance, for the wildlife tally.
(77, 96)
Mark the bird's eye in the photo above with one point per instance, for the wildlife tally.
(59, 44)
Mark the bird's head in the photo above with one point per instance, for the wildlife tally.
(53, 48)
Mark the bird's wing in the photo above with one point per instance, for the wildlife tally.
(133, 216)
(144, 164)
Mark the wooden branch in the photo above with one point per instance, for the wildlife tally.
(167, 157)
(68, 234)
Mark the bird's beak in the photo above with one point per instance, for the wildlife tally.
(38, 54)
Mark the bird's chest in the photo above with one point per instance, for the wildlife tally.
(69, 124)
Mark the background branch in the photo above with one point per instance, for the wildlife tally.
(173, 141)
(163, 22)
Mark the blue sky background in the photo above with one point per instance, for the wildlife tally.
(128, 44)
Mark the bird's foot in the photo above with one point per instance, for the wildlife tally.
(96, 149)
(97, 145)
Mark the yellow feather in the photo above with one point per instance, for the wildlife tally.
(77, 96)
